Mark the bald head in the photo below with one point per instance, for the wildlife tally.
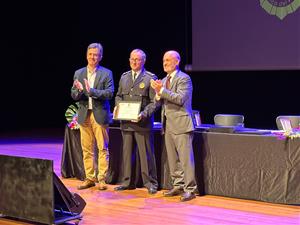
(171, 61)
(174, 54)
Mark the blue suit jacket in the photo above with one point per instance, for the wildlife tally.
(101, 93)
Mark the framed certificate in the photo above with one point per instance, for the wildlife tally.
(127, 110)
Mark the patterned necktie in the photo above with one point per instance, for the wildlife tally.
(168, 82)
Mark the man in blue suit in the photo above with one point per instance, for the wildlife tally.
(93, 87)
(175, 93)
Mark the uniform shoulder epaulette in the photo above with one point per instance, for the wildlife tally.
(150, 74)
(124, 74)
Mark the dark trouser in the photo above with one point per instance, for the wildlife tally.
(144, 142)
(181, 160)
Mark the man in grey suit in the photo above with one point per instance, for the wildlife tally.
(93, 87)
(175, 92)
(134, 85)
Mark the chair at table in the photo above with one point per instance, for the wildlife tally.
(196, 118)
(229, 120)
(294, 119)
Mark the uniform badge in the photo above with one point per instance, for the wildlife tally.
(142, 85)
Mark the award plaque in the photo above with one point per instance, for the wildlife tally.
(127, 110)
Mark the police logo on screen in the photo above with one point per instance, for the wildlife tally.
(280, 8)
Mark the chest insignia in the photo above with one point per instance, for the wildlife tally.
(142, 85)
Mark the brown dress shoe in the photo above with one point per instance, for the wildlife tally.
(86, 184)
(102, 186)
(187, 196)
(173, 192)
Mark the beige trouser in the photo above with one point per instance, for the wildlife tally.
(90, 133)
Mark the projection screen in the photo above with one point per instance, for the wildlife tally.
(245, 35)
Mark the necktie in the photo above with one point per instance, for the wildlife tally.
(134, 76)
(168, 82)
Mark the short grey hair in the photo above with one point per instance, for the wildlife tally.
(96, 45)
(139, 51)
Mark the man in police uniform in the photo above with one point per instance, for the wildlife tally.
(134, 85)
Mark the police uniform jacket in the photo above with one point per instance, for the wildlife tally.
(138, 90)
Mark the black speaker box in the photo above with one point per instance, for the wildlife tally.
(31, 191)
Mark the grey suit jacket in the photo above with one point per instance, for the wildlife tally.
(177, 104)
(101, 93)
(139, 90)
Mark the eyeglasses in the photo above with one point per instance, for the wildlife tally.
(135, 60)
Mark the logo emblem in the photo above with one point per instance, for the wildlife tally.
(142, 85)
(280, 8)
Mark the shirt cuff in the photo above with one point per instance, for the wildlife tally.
(161, 90)
(157, 97)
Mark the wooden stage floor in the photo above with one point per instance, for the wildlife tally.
(137, 206)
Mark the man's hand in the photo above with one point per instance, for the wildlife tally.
(156, 85)
(78, 85)
(87, 85)
(140, 116)
(115, 112)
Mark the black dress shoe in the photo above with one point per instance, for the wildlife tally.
(152, 191)
(120, 188)
(187, 196)
(123, 188)
(173, 192)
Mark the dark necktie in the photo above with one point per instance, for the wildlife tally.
(134, 76)
(168, 82)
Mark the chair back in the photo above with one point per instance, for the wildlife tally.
(196, 118)
(295, 121)
(229, 120)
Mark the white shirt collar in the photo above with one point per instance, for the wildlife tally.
(172, 74)
(137, 73)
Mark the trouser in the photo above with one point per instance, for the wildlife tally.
(90, 133)
(144, 144)
(181, 160)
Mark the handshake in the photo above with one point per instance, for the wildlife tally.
(156, 85)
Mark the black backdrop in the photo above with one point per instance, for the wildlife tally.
(42, 44)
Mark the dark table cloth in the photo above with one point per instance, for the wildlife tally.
(71, 160)
(258, 167)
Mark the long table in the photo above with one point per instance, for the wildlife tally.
(247, 166)
(259, 167)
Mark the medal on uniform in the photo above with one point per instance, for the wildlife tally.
(142, 85)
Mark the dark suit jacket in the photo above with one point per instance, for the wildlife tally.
(101, 93)
(139, 90)
(177, 104)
